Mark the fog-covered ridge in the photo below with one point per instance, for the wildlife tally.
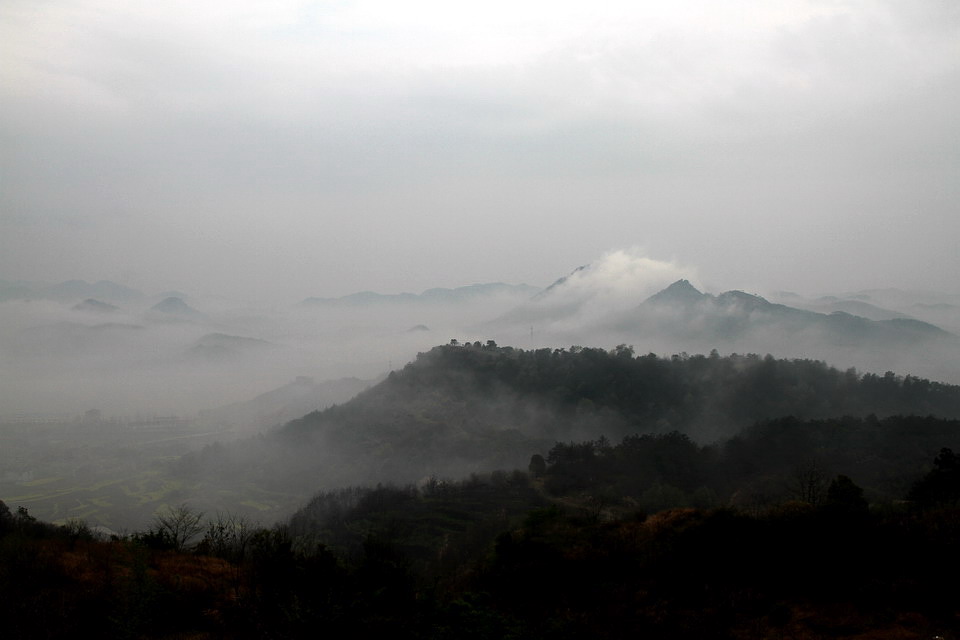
(437, 295)
(477, 407)
(67, 350)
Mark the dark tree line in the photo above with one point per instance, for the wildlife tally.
(769, 462)
(492, 556)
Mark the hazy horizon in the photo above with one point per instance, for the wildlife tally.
(275, 152)
(252, 156)
(644, 276)
(140, 356)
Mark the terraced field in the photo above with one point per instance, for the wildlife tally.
(112, 475)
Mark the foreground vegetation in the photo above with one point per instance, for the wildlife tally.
(524, 554)
(823, 517)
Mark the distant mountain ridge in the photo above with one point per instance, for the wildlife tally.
(95, 306)
(435, 295)
(831, 304)
(69, 291)
(173, 308)
(681, 309)
(280, 405)
(559, 282)
(221, 346)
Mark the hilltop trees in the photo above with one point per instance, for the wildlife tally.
(941, 486)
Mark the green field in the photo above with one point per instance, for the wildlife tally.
(113, 476)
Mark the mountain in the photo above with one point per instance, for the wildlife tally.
(603, 304)
(899, 298)
(564, 298)
(830, 304)
(463, 409)
(95, 306)
(473, 291)
(221, 346)
(281, 405)
(575, 307)
(680, 292)
(559, 282)
(682, 311)
(362, 298)
(170, 294)
(173, 308)
(433, 296)
(69, 291)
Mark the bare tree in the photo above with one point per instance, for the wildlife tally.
(228, 535)
(809, 483)
(180, 524)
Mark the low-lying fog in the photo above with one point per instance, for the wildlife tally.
(60, 359)
(177, 355)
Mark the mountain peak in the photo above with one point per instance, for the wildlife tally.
(560, 281)
(747, 301)
(174, 307)
(95, 306)
(680, 291)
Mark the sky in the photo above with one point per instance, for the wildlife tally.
(288, 149)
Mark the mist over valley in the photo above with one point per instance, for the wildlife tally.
(436, 321)
(180, 355)
(214, 402)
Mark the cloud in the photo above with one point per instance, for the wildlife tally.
(622, 276)
(617, 281)
(366, 131)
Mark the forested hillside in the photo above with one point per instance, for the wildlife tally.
(596, 392)
(461, 409)
(685, 497)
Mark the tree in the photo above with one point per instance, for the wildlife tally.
(227, 536)
(180, 524)
(23, 521)
(942, 484)
(845, 496)
(6, 518)
(538, 466)
(623, 351)
(809, 483)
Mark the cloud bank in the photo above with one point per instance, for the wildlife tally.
(322, 148)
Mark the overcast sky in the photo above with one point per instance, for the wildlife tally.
(294, 149)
